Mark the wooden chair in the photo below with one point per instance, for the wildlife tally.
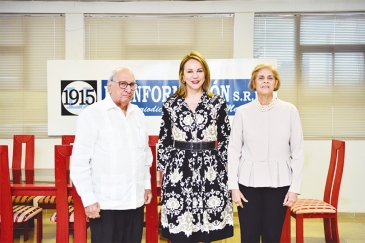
(13, 217)
(68, 139)
(64, 214)
(28, 154)
(286, 230)
(326, 209)
(152, 220)
(49, 202)
(16, 166)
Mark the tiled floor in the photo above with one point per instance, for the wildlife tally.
(351, 228)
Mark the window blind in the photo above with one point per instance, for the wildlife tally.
(26, 43)
(321, 62)
(148, 37)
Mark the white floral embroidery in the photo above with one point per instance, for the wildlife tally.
(175, 177)
(188, 120)
(178, 134)
(206, 225)
(195, 176)
(213, 202)
(195, 203)
(186, 224)
(210, 133)
(172, 203)
(164, 221)
(211, 174)
(226, 219)
(199, 119)
(186, 209)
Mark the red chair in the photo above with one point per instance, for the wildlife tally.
(13, 217)
(49, 202)
(326, 209)
(64, 214)
(152, 219)
(16, 167)
(68, 139)
(286, 230)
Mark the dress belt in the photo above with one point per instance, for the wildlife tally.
(194, 145)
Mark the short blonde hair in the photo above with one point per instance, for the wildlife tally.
(251, 84)
(182, 91)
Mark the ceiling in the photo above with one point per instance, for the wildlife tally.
(119, 0)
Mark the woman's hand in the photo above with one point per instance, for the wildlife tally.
(237, 197)
(290, 199)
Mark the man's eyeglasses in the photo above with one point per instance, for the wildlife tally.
(123, 85)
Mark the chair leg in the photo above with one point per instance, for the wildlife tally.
(285, 232)
(31, 221)
(327, 229)
(26, 229)
(299, 228)
(39, 228)
(334, 226)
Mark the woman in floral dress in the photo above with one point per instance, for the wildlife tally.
(196, 203)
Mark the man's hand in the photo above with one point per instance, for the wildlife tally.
(92, 211)
(147, 196)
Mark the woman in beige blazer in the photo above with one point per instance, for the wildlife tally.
(265, 159)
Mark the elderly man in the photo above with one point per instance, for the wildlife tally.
(110, 163)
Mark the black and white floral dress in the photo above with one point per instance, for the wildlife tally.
(196, 203)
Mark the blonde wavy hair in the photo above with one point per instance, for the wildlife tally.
(182, 91)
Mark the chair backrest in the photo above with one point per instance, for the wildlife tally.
(151, 209)
(18, 140)
(335, 170)
(62, 153)
(152, 142)
(5, 195)
(68, 139)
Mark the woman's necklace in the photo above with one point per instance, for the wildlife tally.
(265, 107)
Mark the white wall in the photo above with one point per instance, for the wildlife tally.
(317, 153)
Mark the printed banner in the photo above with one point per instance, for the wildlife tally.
(74, 85)
(151, 94)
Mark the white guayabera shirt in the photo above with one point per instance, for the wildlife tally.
(111, 159)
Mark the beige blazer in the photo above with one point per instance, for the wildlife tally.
(266, 148)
